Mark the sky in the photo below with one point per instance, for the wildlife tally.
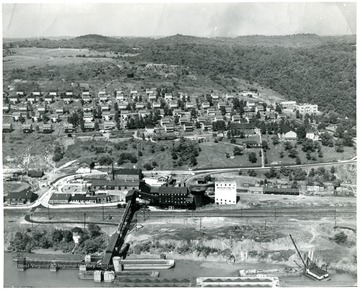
(163, 19)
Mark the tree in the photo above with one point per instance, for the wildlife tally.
(287, 145)
(57, 236)
(271, 173)
(293, 153)
(94, 230)
(237, 151)
(298, 160)
(252, 172)
(332, 169)
(312, 172)
(252, 157)
(275, 140)
(340, 238)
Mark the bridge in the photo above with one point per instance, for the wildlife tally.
(117, 239)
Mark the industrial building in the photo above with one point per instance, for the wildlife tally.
(225, 192)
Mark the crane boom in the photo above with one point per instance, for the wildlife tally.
(297, 250)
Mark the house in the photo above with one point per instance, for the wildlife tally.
(206, 126)
(105, 108)
(36, 117)
(168, 97)
(16, 116)
(188, 127)
(246, 128)
(6, 108)
(205, 105)
(90, 126)
(229, 97)
(185, 118)
(47, 128)
(120, 97)
(252, 144)
(251, 104)
(174, 105)
(307, 109)
(14, 99)
(60, 198)
(143, 113)
(215, 97)
(69, 94)
(165, 121)
(88, 108)
(123, 105)
(88, 117)
(84, 86)
(35, 173)
(7, 128)
(221, 105)
(49, 99)
(311, 134)
(156, 105)
(152, 98)
(175, 197)
(53, 93)
(236, 118)
(54, 118)
(68, 128)
(86, 99)
(27, 128)
(211, 112)
(149, 129)
(59, 111)
(259, 108)
(288, 105)
(108, 125)
(127, 174)
(68, 99)
(23, 196)
(20, 93)
(140, 106)
(42, 109)
(169, 128)
(32, 99)
(189, 105)
(107, 116)
(23, 109)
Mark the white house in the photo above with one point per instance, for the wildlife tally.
(225, 192)
(312, 135)
(288, 105)
(307, 109)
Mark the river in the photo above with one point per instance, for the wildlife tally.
(43, 278)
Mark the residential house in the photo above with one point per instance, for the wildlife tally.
(168, 97)
(27, 128)
(120, 97)
(174, 105)
(36, 117)
(32, 99)
(88, 108)
(16, 116)
(7, 128)
(123, 105)
(14, 99)
(288, 134)
(156, 105)
(90, 126)
(140, 106)
(143, 113)
(68, 128)
(236, 118)
(49, 99)
(47, 128)
(307, 109)
(169, 128)
(149, 130)
(221, 105)
(53, 93)
(88, 117)
(109, 125)
(311, 134)
(54, 118)
(165, 121)
(59, 111)
(205, 105)
(36, 94)
(42, 109)
(211, 112)
(185, 118)
(69, 94)
(189, 105)
(229, 97)
(206, 126)
(81, 198)
(152, 98)
(259, 108)
(107, 116)
(105, 108)
(288, 105)
(23, 109)
(188, 127)
(20, 93)
(6, 108)
(215, 97)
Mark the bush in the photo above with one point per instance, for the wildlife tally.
(340, 238)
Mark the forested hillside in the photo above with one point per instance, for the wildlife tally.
(324, 74)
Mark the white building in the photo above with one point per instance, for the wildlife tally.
(307, 108)
(225, 192)
(288, 105)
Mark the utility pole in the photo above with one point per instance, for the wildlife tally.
(265, 225)
(275, 213)
(335, 216)
(103, 211)
(84, 219)
(48, 207)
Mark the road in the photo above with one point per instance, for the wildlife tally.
(302, 213)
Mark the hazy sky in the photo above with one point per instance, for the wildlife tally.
(159, 19)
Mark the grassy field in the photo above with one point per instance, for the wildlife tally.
(41, 57)
(214, 155)
(329, 154)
